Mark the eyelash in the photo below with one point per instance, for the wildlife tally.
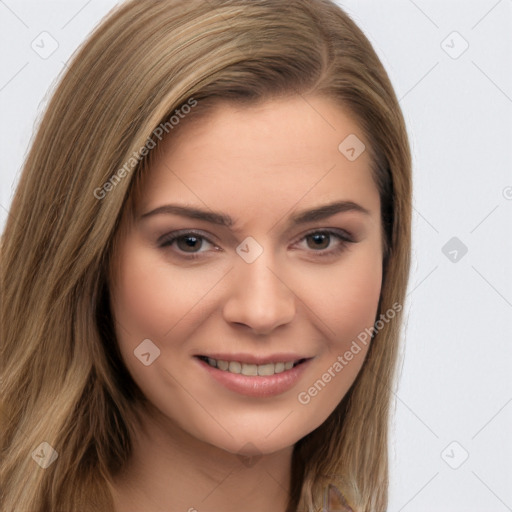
(343, 237)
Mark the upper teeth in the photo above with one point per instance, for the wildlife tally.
(250, 369)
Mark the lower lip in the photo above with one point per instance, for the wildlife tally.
(257, 386)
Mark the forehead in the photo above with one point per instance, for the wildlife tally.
(263, 159)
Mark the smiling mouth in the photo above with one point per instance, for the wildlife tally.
(251, 370)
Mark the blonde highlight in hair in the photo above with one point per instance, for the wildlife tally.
(64, 382)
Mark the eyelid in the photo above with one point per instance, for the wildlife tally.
(344, 240)
(207, 236)
(181, 232)
(346, 235)
(343, 236)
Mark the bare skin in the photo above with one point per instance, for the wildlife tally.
(305, 293)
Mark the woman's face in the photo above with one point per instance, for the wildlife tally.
(273, 284)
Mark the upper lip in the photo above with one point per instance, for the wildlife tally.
(254, 359)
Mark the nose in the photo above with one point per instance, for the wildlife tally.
(259, 297)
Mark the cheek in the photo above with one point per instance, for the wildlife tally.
(358, 295)
(347, 305)
(150, 298)
(137, 299)
(345, 296)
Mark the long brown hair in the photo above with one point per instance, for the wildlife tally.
(63, 380)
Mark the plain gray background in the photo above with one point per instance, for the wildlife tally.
(450, 64)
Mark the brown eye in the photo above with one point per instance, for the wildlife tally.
(187, 243)
(319, 240)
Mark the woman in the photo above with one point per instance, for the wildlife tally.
(256, 371)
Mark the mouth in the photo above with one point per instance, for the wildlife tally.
(251, 369)
(255, 376)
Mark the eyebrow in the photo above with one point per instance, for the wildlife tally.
(222, 219)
